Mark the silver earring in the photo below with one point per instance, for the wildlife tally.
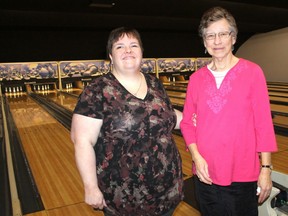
(232, 48)
(110, 66)
(205, 51)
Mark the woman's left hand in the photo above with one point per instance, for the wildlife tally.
(265, 185)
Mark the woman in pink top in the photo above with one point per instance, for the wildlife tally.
(227, 125)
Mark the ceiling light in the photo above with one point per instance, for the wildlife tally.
(102, 3)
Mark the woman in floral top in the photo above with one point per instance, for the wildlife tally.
(122, 131)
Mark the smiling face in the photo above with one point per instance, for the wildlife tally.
(221, 45)
(126, 54)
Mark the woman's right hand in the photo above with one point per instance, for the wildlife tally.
(201, 165)
(202, 169)
(95, 198)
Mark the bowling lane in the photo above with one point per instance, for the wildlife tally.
(278, 89)
(63, 99)
(176, 94)
(73, 91)
(279, 94)
(279, 99)
(279, 108)
(185, 155)
(280, 158)
(281, 121)
(50, 154)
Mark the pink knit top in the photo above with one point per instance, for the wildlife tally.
(230, 125)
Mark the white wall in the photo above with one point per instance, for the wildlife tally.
(270, 51)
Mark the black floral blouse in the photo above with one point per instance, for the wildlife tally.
(139, 168)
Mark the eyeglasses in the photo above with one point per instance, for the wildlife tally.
(221, 35)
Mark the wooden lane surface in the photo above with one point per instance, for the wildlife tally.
(280, 161)
(280, 84)
(185, 155)
(280, 158)
(279, 108)
(40, 119)
(50, 155)
(63, 99)
(176, 94)
(283, 100)
(78, 209)
(178, 83)
(281, 121)
(278, 89)
(183, 209)
(176, 88)
(278, 94)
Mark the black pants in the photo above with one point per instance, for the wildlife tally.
(237, 199)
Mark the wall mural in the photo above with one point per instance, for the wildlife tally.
(201, 62)
(84, 68)
(88, 68)
(148, 65)
(175, 65)
(27, 71)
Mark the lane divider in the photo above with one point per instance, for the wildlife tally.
(16, 205)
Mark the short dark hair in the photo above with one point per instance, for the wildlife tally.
(118, 33)
(215, 14)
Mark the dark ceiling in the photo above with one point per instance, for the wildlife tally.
(41, 30)
(252, 16)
